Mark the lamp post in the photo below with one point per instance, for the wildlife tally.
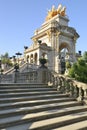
(1, 66)
(16, 67)
(18, 54)
(0, 63)
(14, 59)
(25, 58)
(25, 47)
(0, 69)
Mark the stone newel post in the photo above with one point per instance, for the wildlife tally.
(42, 75)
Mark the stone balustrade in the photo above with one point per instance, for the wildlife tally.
(27, 77)
(6, 78)
(65, 84)
(39, 75)
(17, 77)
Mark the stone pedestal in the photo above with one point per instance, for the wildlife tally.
(42, 74)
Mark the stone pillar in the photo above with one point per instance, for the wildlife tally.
(14, 79)
(42, 75)
(58, 51)
(81, 94)
(85, 96)
(53, 50)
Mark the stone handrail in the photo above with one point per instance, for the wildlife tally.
(9, 71)
(68, 85)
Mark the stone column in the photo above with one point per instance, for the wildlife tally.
(58, 51)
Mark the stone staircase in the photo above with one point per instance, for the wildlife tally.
(39, 107)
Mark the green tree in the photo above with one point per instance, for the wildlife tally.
(79, 69)
(68, 64)
(5, 59)
(85, 56)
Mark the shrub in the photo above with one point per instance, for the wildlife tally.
(79, 71)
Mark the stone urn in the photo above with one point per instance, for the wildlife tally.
(43, 61)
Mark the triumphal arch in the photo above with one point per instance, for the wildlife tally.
(54, 40)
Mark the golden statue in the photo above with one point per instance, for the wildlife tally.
(62, 12)
(59, 9)
(53, 12)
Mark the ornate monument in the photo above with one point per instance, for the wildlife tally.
(54, 40)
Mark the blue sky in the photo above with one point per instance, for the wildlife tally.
(20, 18)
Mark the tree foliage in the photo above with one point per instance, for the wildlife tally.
(5, 59)
(79, 69)
(68, 65)
(85, 56)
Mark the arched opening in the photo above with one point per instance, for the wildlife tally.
(35, 58)
(31, 58)
(27, 58)
(63, 55)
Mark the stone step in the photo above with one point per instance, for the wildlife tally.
(58, 121)
(33, 103)
(46, 114)
(35, 109)
(34, 90)
(82, 125)
(38, 100)
(22, 85)
(43, 120)
(38, 107)
(29, 98)
(6, 95)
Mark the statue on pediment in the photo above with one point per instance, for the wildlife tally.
(62, 12)
(53, 12)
